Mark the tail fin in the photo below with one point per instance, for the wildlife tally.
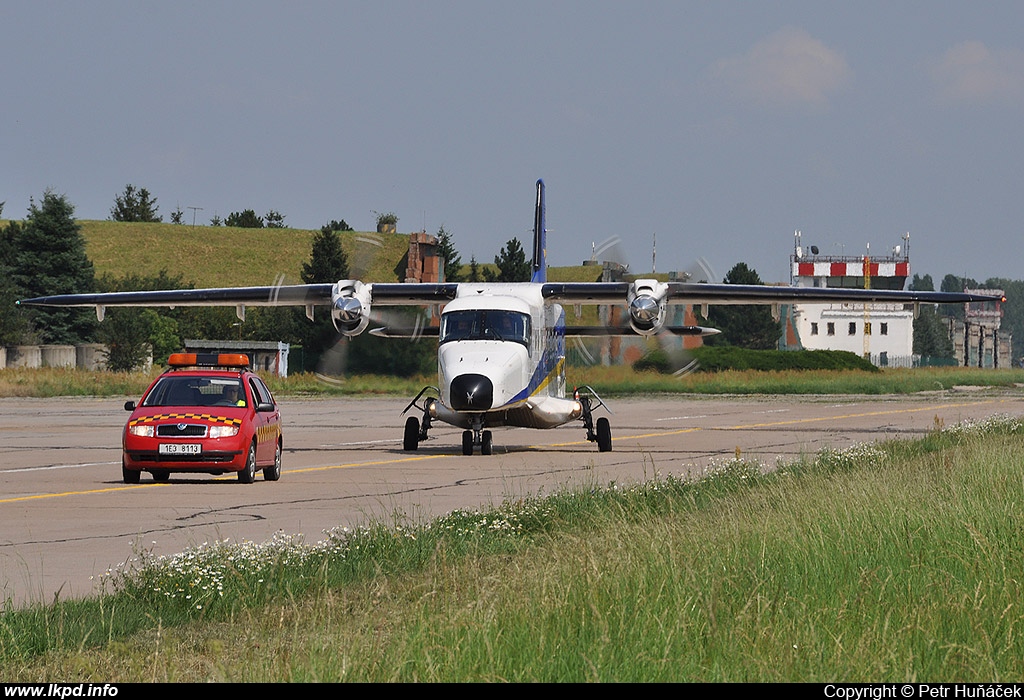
(540, 266)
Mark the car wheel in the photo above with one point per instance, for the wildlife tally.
(604, 435)
(161, 475)
(130, 476)
(411, 439)
(274, 473)
(248, 473)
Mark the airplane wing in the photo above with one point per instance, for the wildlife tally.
(583, 331)
(701, 293)
(307, 295)
(351, 300)
(646, 299)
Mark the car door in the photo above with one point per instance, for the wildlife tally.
(266, 423)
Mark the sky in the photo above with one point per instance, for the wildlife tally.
(713, 129)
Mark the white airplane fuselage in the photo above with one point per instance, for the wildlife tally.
(501, 359)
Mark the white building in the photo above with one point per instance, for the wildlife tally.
(882, 332)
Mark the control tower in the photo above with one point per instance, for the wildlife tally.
(881, 332)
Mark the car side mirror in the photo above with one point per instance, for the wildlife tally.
(265, 408)
(129, 405)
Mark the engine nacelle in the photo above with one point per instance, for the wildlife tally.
(350, 307)
(646, 302)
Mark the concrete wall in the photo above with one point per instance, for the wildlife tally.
(92, 356)
(28, 356)
(57, 355)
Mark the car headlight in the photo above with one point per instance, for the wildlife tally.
(219, 431)
(141, 430)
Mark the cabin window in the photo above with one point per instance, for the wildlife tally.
(883, 328)
(831, 328)
(489, 324)
(853, 328)
(814, 328)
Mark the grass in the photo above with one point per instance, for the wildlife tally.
(898, 561)
(220, 256)
(607, 381)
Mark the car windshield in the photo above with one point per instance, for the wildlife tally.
(490, 324)
(196, 391)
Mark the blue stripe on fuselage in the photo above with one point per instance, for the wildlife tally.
(552, 361)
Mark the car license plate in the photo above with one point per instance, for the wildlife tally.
(180, 448)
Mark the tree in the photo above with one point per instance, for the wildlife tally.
(744, 326)
(130, 334)
(339, 225)
(14, 326)
(50, 259)
(452, 259)
(177, 216)
(275, 219)
(244, 219)
(327, 259)
(512, 264)
(952, 283)
(474, 270)
(135, 205)
(327, 263)
(930, 335)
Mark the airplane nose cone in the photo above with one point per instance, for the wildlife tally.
(472, 392)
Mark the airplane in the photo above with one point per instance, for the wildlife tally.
(501, 345)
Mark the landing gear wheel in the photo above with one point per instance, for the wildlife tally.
(273, 473)
(248, 473)
(467, 442)
(161, 475)
(130, 476)
(486, 443)
(604, 435)
(411, 439)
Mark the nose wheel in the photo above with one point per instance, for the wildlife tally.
(472, 438)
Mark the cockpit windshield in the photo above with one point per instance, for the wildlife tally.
(490, 324)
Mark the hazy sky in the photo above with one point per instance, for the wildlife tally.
(720, 127)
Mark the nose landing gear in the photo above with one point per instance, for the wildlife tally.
(477, 436)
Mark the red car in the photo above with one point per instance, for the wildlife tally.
(207, 413)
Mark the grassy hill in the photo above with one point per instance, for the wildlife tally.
(216, 256)
(221, 256)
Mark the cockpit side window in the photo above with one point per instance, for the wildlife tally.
(490, 324)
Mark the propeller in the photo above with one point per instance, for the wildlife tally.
(349, 344)
(643, 312)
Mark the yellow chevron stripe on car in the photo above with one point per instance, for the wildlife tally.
(207, 417)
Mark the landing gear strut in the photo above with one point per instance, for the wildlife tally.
(416, 430)
(601, 433)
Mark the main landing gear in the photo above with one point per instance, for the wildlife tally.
(416, 431)
(599, 431)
